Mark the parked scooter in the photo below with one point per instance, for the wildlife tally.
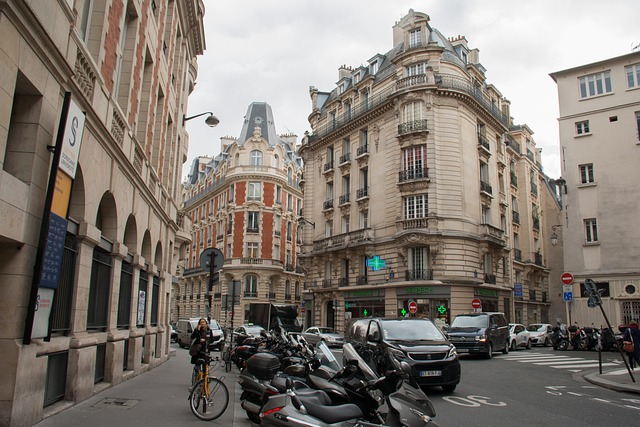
(592, 336)
(406, 403)
(577, 337)
(559, 338)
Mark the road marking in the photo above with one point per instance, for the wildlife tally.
(560, 362)
(586, 365)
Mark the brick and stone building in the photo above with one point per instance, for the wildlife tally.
(129, 65)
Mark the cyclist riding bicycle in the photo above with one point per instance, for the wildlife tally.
(203, 335)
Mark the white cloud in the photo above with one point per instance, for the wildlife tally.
(273, 50)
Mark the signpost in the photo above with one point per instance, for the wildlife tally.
(476, 303)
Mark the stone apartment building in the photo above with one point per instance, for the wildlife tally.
(418, 186)
(245, 202)
(128, 66)
(600, 147)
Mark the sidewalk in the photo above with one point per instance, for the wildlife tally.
(157, 397)
(618, 380)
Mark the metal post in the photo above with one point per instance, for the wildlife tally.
(624, 359)
(212, 257)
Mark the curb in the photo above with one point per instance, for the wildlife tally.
(596, 379)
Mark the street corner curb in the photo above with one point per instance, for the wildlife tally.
(612, 385)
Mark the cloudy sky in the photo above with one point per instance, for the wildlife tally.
(273, 50)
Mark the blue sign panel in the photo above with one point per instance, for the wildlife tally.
(567, 296)
(53, 251)
(517, 289)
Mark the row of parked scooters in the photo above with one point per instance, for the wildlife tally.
(586, 338)
(287, 382)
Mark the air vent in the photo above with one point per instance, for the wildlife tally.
(630, 289)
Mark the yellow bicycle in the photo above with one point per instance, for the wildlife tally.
(209, 397)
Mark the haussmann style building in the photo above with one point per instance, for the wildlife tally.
(419, 187)
(124, 69)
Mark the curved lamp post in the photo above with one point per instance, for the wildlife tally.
(211, 120)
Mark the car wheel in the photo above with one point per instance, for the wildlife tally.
(512, 346)
(505, 350)
(489, 353)
(528, 344)
(449, 388)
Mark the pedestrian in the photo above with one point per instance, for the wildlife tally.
(632, 334)
(202, 335)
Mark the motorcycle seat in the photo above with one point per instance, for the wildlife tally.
(330, 414)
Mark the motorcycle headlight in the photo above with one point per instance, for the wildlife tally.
(398, 354)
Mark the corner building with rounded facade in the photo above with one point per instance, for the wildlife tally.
(420, 188)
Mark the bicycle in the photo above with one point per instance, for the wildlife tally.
(226, 353)
(209, 396)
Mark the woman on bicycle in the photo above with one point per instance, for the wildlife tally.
(204, 336)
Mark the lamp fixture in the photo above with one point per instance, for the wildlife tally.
(554, 236)
(211, 120)
(303, 220)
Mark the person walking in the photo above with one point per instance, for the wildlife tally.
(202, 335)
(632, 334)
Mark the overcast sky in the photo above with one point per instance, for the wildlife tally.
(273, 50)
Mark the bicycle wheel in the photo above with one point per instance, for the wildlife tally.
(209, 399)
(227, 359)
(194, 376)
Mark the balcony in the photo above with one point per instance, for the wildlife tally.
(413, 174)
(362, 193)
(517, 255)
(537, 259)
(410, 224)
(250, 294)
(363, 150)
(485, 187)
(253, 230)
(362, 280)
(415, 126)
(296, 297)
(340, 241)
(328, 205)
(287, 297)
(411, 275)
(345, 159)
(483, 143)
(326, 283)
(328, 167)
(490, 278)
(344, 199)
(288, 267)
(418, 79)
(344, 281)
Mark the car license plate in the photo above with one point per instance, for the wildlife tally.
(462, 350)
(430, 373)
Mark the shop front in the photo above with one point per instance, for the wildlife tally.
(431, 302)
(488, 298)
(364, 303)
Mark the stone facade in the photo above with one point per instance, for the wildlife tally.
(129, 65)
(246, 202)
(421, 188)
(599, 122)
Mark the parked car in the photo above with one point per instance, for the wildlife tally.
(418, 342)
(185, 328)
(480, 333)
(518, 337)
(540, 333)
(245, 331)
(330, 336)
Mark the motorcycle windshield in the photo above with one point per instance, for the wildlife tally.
(326, 357)
(349, 354)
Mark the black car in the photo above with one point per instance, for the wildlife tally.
(419, 342)
(480, 333)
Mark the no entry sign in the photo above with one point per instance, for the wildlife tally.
(567, 278)
(476, 303)
(413, 307)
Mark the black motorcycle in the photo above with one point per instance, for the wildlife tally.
(559, 339)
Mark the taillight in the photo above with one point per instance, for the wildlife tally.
(270, 411)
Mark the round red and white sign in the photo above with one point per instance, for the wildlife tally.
(476, 303)
(567, 278)
(413, 307)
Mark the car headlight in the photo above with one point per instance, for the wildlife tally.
(398, 354)
(481, 338)
(452, 352)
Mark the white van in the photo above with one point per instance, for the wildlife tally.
(185, 328)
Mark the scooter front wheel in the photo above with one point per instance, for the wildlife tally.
(563, 345)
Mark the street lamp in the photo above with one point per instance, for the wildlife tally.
(211, 120)
(554, 236)
(302, 220)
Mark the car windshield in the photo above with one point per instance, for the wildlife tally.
(413, 330)
(469, 322)
(536, 328)
(253, 329)
(326, 331)
(214, 325)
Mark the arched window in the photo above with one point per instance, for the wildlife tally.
(256, 158)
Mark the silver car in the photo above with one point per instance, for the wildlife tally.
(540, 333)
(315, 334)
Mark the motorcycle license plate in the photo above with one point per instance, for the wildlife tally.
(430, 373)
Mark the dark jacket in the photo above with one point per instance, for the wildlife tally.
(202, 334)
(633, 331)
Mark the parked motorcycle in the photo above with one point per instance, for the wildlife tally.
(559, 338)
(406, 403)
(577, 337)
(592, 336)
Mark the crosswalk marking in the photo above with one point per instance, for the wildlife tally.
(557, 361)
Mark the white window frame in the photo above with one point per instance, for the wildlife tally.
(591, 230)
(416, 206)
(253, 220)
(586, 173)
(582, 127)
(595, 84)
(415, 69)
(633, 76)
(415, 38)
(254, 191)
(413, 111)
(253, 250)
(255, 158)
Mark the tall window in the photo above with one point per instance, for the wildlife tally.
(278, 194)
(413, 161)
(415, 206)
(586, 173)
(98, 306)
(415, 69)
(253, 219)
(582, 127)
(633, 75)
(251, 286)
(413, 112)
(486, 215)
(418, 263)
(638, 124)
(252, 249)
(415, 38)
(254, 191)
(595, 84)
(256, 158)
(345, 223)
(364, 219)
(591, 230)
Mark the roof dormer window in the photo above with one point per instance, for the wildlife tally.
(374, 67)
(415, 38)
